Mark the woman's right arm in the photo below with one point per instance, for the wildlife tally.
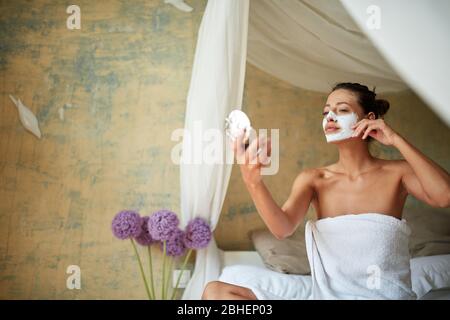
(282, 222)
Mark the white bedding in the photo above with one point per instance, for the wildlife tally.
(430, 276)
(297, 287)
(269, 284)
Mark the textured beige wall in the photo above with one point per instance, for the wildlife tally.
(122, 82)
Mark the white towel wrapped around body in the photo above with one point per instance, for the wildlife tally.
(353, 256)
(359, 256)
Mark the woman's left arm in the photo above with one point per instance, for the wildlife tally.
(422, 177)
(434, 180)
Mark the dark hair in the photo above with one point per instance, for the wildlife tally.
(366, 98)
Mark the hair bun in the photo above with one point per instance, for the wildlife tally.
(381, 107)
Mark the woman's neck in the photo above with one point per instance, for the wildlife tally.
(354, 157)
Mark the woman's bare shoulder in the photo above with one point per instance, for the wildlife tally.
(395, 165)
(307, 178)
(329, 170)
(314, 173)
(324, 170)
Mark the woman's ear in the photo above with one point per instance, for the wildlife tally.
(371, 116)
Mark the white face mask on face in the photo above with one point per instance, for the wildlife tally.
(345, 123)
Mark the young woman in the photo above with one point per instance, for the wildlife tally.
(357, 182)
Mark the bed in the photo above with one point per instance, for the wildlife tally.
(430, 275)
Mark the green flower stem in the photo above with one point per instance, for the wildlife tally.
(142, 269)
(169, 272)
(186, 259)
(163, 271)
(152, 281)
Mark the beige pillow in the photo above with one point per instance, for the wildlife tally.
(285, 256)
(430, 231)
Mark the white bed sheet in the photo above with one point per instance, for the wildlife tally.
(243, 267)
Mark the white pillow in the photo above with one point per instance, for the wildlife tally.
(430, 273)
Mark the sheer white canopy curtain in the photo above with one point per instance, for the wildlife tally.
(216, 88)
(413, 36)
(312, 44)
(390, 44)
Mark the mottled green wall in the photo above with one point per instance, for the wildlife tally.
(272, 103)
(122, 82)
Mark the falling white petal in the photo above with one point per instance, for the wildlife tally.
(13, 99)
(27, 117)
(179, 4)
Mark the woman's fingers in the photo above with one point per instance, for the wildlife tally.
(361, 126)
(369, 129)
(257, 153)
(252, 150)
(361, 122)
(239, 148)
(265, 151)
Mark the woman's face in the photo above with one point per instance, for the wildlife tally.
(341, 111)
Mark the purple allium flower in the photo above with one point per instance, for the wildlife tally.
(144, 238)
(198, 234)
(175, 245)
(126, 224)
(162, 224)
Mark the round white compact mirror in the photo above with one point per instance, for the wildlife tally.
(235, 122)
